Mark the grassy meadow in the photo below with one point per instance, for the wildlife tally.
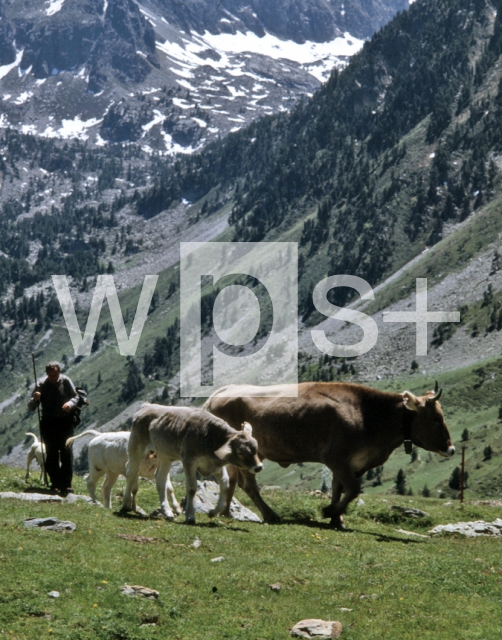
(380, 583)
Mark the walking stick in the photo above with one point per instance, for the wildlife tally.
(40, 427)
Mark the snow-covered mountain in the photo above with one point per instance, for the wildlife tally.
(169, 75)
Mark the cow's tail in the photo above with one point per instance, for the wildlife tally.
(89, 432)
(207, 404)
(35, 439)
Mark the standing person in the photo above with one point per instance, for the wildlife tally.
(59, 398)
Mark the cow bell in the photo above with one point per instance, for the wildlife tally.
(408, 446)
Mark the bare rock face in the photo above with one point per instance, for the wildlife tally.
(314, 20)
(125, 33)
(80, 34)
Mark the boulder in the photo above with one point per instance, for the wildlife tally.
(315, 628)
(139, 591)
(471, 529)
(33, 497)
(410, 512)
(50, 524)
(207, 497)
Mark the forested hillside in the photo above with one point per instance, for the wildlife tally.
(400, 143)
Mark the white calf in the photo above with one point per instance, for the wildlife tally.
(203, 443)
(108, 457)
(37, 450)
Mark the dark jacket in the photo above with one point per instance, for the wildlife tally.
(54, 396)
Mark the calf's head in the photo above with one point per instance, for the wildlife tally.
(241, 450)
(428, 427)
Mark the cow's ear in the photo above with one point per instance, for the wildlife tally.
(410, 401)
(223, 452)
(247, 428)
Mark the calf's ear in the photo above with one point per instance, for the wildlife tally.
(247, 428)
(410, 401)
(224, 451)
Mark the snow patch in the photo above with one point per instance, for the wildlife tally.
(172, 147)
(24, 97)
(75, 128)
(29, 128)
(7, 68)
(202, 123)
(159, 118)
(184, 73)
(186, 85)
(182, 104)
(235, 92)
(54, 7)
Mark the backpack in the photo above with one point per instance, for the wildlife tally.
(82, 401)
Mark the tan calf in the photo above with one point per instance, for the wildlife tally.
(202, 442)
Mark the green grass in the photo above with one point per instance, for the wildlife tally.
(396, 586)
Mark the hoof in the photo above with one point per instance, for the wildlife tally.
(190, 520)
(272, 518)
(337, 523)
(140, 511)
(178, 511)
(212, 513)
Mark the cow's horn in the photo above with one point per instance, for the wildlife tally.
(437, 392)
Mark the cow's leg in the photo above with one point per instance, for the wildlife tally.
(161, 480)
(233, 475)
(222, 477)
(31, 455)
(91, 480)
(247, 482)
(336, 494)
(344, 479)
(170, 494)
(107, 486)
(132, 474)
(190, 469)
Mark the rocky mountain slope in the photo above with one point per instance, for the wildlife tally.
(165, 75)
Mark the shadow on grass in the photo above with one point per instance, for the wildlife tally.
(131, 515)
(384, 537)
(42, 489)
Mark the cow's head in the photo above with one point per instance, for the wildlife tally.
(241, 450)
(428, 427)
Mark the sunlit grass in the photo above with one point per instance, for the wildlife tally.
(396, 585)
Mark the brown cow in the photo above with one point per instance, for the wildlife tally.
(350, 428)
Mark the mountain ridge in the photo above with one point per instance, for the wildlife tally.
(119, 71)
